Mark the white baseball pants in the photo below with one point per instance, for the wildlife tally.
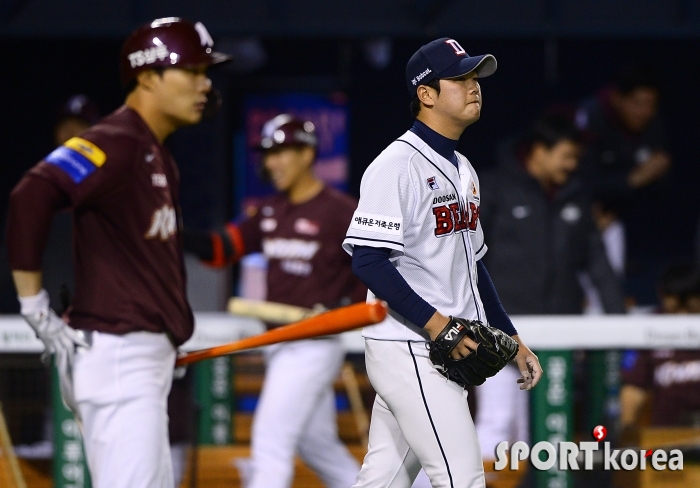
(121, 386)
(502, 412)
(419, 419)
(296, 414)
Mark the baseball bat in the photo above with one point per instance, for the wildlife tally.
(277, 313)
(327, 323)
(14, 478)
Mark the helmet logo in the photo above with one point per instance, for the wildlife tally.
(148, 56)
(204, 36)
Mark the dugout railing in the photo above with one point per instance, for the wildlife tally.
(554, 338)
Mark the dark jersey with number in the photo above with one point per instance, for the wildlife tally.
(303, 245)
(123, 187)
(673, 376)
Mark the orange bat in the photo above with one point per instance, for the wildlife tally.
(327, 323)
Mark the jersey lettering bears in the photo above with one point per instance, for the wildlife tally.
(454, 218)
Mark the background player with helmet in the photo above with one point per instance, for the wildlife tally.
(130, 304)
(416, 242)
(300, 230)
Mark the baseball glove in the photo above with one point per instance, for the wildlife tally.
(494, 351)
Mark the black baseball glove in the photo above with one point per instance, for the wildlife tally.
(494, 351)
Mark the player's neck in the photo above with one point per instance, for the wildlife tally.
(161, 125)
(442, 126)
(306, 188)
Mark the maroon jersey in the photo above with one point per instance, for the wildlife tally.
(303, 244)
(673, 375)
(123, 187)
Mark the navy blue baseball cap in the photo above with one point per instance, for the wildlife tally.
(445, 58)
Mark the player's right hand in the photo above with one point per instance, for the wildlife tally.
(58, 338)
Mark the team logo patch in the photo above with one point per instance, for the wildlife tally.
(159, 180)
(306, 226)
(268, 225)
(432, 184)
(521, 211)
(78, 158)
(474, 191)
(571, 213)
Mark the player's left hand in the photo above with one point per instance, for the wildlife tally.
(528, 365)
(58, 337)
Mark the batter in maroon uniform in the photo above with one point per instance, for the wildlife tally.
(300, 231)
(130, 308)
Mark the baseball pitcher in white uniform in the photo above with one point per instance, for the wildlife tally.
(416, 242)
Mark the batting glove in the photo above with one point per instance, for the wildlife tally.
(57, 336)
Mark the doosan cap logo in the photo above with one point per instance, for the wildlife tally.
(421, 76)
(459, 50)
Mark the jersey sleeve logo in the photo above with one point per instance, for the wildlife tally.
(376, 223)
(78, 158)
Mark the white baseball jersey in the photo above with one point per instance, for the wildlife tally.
(418, 204)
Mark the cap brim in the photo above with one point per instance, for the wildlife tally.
(484, 65)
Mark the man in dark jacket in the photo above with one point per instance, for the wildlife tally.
(538, 215)
(542, 235)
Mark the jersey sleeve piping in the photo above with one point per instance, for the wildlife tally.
(375, 240)
(350, 241)
(481, 252)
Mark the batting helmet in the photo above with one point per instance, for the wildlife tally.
(169, 42)
(286, 130)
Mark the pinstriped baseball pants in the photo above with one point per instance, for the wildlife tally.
(419, 419)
